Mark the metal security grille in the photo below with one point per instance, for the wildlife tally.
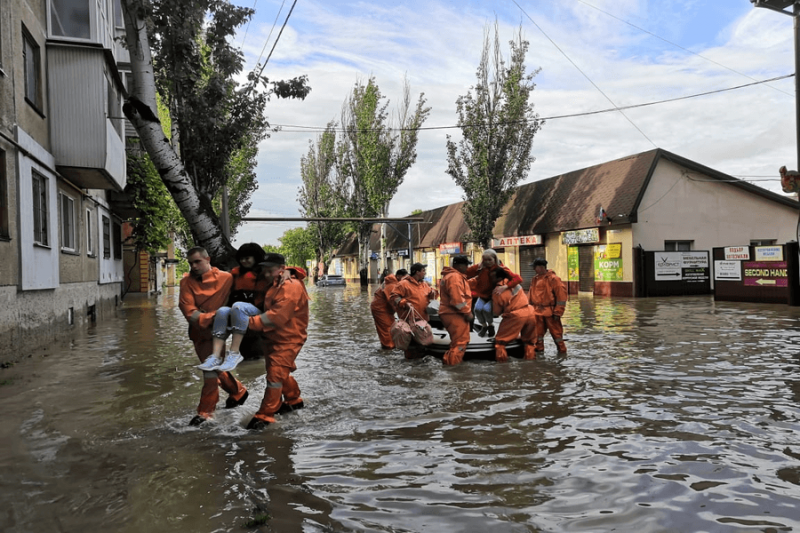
(586, 268)
(526, 256)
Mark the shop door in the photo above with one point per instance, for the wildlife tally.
(586, 268)
(526, 256)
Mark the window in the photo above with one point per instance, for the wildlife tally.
(114, 105)
(677, 246)
(68, 226)
(118, 21)
(32, 64)
(117, 241)
(89, 234)
(70, 18)
(3, 197)
(39, 209)
(763, 242)
(106, 237)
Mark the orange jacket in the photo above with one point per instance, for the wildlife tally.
(410, 292)
(483, 285)
(548, 295)
(380, 301)
(286, 306)
(206, 295)
(456, 296)
(510, 302)
(248, 287)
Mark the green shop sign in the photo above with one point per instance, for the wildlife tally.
(607, 268)
(573, 270)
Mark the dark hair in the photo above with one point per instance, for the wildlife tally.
(416, 267)
(500, 273)
(196, 250)
(274, 259)
(401, 272)
(251, 249)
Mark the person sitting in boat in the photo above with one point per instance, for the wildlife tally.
(413, 293)
(517, 317)
(383, 310)
(455, 308)
(484, 288)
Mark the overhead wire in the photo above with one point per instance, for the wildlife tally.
(278, 38)
(274, 23)
(248, 25)
(306, 129)
(584, 74)
(677, 45)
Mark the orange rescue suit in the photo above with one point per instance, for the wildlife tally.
(407, 293)
(548, 297)
(286, 306)
(206, 295)
(248, 286)
(455, 307)
(383, 311)
(517, 321)
(483, 284)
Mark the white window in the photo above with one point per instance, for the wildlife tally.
(70, 18)
(762, 242)
(677, 246)
(89, 233)
(68, 224)
(39, 209)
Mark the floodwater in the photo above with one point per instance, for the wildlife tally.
(674, 414)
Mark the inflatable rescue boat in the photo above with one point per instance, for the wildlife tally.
(481, 348)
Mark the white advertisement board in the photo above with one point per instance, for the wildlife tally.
(733, 253)
(728, 270)
(769, 253)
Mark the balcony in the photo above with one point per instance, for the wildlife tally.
(86, 128)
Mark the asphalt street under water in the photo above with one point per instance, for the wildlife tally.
(677, 414)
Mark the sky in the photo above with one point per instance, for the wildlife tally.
(590, 55)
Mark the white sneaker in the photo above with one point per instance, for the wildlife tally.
(231, 360)
(212, 363)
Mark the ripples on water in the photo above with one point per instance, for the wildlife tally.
(668, 415)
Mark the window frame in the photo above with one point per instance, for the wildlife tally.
(763, 242)
(675, 246)
(69, 230)
(39, 193)
(5, 230)
(106, 229)
(33, 95)
(89, 235)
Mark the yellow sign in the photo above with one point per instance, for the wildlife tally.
(613, 251)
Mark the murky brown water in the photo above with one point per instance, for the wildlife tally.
(668, 415)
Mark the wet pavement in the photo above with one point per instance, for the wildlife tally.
(674, 414)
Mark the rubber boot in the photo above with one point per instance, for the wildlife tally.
(530, 352)
(270, 404)
(500, 353)
(234, 388)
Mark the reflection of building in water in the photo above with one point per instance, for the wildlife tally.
(599, 315)
(596, 226)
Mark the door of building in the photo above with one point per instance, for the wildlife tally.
(526, 256)
(586, 268)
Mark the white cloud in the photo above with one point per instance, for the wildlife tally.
(437, 44)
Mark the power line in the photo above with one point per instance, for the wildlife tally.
(584, 74)
(677, 45)
(248, 24)
(274, 23)
(308, 129)
(278, 38)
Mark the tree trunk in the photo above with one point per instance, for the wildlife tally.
(141, 110)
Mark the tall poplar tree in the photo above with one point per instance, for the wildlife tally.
(497, 124)
(374, 154)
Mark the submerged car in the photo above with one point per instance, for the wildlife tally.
(331, 281)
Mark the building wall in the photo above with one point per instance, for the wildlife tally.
(709, 213)
(33, 15)
(33, 319)
(9, 246)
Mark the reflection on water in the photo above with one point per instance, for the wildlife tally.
(668, 415)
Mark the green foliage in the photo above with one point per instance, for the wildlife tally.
(498, 124)
(297, 245)
(416, 212)
(271, 248)
(158, 214)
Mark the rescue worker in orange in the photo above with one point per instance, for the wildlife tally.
(484, 288)
(413, 292)
(518, 320)
(382, 309)
(202, 292)
(285, 321)
(455, 308)
(548, 296)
